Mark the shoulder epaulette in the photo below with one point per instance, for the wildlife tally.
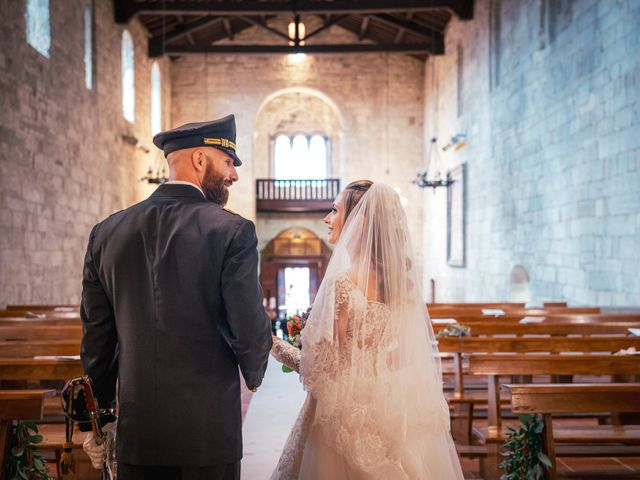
(230, 211)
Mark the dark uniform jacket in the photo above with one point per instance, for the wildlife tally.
(171, 306)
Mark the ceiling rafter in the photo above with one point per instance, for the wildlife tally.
(157, 43)
(429, 34)
(363, 27)
(124, 10)
(227, 27)
(312, 49)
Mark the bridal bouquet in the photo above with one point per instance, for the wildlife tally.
(295, 325)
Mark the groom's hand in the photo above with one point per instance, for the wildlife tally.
(96, 451)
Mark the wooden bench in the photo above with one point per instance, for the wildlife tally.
(552, 399)
(34, 348)
(44, 307)
(31, 369)
(464, 401)
(28, 331)
(493, 366)
(552, 318)
(513, 312)
(19, 405)
(549, 328)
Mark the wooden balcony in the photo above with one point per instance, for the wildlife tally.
(296, 195)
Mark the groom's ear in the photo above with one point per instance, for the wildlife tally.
(199, 160)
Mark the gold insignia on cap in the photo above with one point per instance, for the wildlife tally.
(223, 142)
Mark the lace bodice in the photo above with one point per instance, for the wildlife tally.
(369, 332)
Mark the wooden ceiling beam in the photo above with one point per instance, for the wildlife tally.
(262, 23)
(363, 27)
(432, 36)
(124, 9)
(157, 44)
(407, 25)
(286, 49)
(227, 27)
(331, 20)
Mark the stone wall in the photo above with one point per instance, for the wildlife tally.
(63, 163)
(548, 92)
(371, 104)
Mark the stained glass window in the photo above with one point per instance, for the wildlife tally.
(128, 78)
(38, 26)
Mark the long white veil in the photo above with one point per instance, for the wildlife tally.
(369, 352)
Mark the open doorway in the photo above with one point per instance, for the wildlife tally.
(296, 290)
(291, 268)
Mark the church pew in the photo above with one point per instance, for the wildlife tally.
(19, 405)
(557, 318)
(35, 348)
(495, 365)
(16, 321)
(501, 305)
(29, 331)
(514, 312)
(32, 369)
(44, 307)
(43, 315)
(587, 398)
(496, 327)
(464, 402)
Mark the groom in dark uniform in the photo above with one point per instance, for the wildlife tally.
(171, 306)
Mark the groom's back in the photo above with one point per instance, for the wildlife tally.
(160, 263)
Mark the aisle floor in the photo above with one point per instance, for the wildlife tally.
(271, 414)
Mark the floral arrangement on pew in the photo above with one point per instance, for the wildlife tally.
(23, 461)
(523, 449)
(454, 330)
(295, 325)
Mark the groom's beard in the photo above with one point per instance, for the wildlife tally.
(214, 188)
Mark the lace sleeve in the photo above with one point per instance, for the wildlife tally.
(286, 354)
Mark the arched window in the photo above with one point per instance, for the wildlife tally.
(156, 99)
(300, 157)
(128, 78)
(88, 47)
(37, 25)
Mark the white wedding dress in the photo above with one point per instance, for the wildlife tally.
(375, 408)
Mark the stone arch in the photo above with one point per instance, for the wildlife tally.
(519, 285)
(312, 92)
(296, 110)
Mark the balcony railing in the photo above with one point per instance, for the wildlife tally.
(296, 195)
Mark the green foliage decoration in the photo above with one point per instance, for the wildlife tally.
(23, 463)
(525, 459)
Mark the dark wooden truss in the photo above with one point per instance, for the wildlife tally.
(180, 27)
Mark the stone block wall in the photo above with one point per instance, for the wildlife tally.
(548, 93)
(63, 163)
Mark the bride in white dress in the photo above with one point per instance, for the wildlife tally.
(375, 408)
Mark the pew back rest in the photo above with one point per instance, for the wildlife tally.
(554, 364)
(574, 398)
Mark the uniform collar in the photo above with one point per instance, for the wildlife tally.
(183, 182)
(170, 189)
